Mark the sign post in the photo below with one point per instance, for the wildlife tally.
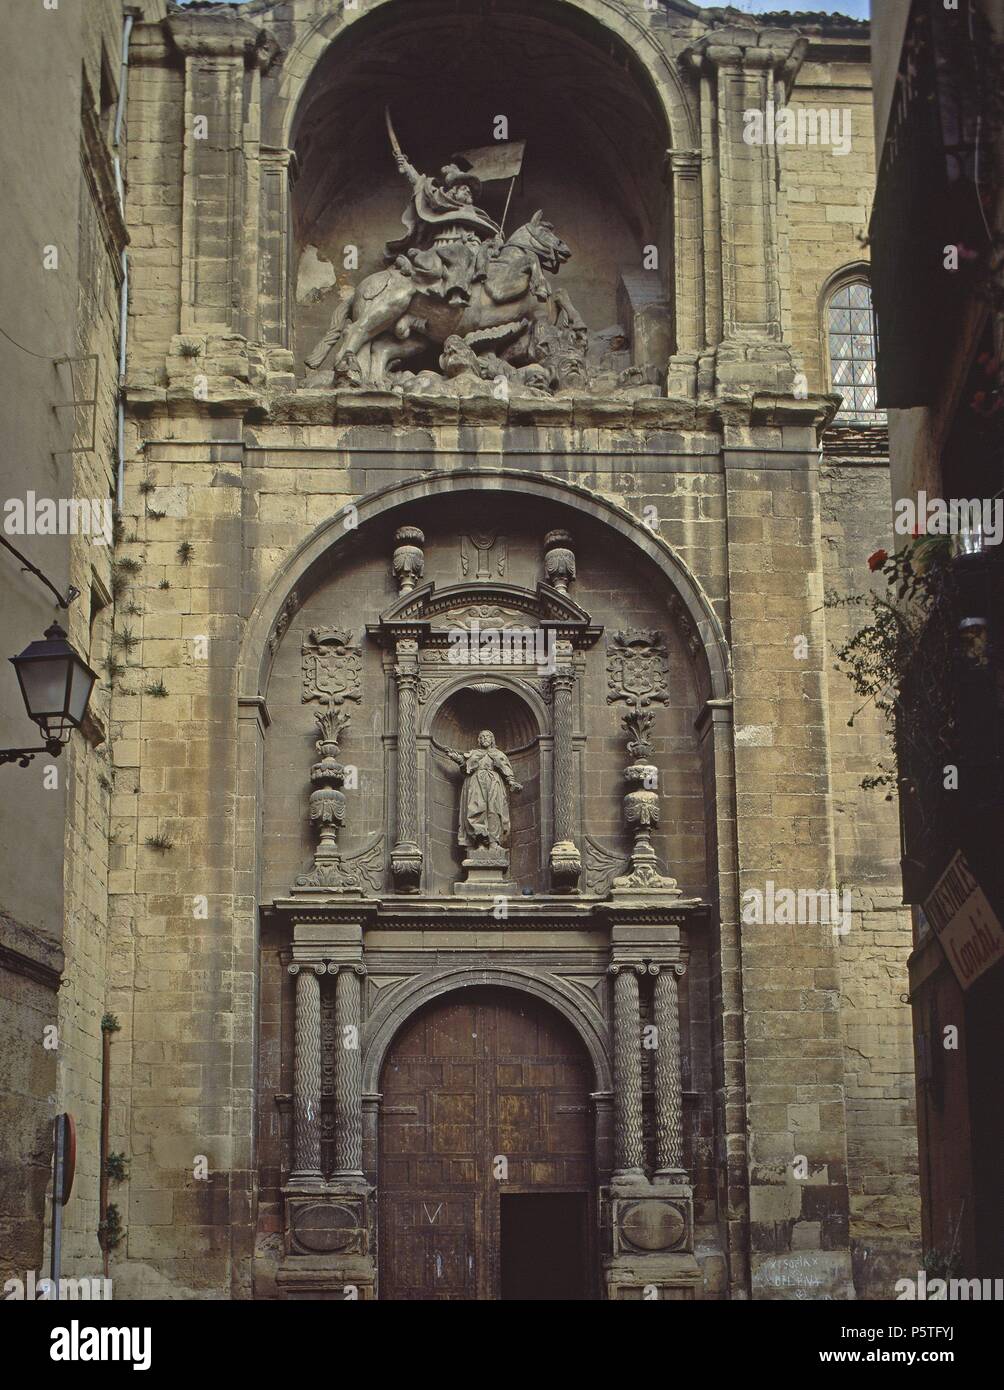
(64, 1159)
(964, 922)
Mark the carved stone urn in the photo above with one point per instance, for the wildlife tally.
(559, 560)
(409, 558)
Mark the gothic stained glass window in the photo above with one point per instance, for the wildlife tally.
(851, 331)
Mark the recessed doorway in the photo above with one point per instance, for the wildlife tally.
(484, 1091)
(543, 1247)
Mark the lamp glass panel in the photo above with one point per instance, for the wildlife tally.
(44, 685)
(80, 692)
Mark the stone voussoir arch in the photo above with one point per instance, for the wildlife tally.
(309, 563)
(452, 684)
(626, 20)
(386, 1021)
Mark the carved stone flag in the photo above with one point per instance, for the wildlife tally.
(489, 162)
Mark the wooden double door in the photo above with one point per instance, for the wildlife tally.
(486, 1153)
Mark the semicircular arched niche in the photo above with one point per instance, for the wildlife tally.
(592, 120)
(338, 581)
(484, 704)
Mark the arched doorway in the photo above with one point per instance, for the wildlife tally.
(486, 1153)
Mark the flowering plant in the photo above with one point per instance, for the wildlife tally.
(909, 633)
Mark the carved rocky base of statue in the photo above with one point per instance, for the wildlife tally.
(652, 1226)
(486, 868)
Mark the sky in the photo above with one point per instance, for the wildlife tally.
(857, 8)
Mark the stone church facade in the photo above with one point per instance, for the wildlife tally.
(403, 1009)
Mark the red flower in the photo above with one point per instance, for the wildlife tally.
(876, 561)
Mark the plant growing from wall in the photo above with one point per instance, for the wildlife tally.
(117, 1167)
(909, 641)
(185, 552)
(159, 842)
(113, 669)
(123, 570)
(110, 1230)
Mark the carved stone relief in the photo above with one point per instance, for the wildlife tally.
(332, 666)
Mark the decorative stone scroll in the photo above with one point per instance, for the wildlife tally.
(490, 554)
(282, 622)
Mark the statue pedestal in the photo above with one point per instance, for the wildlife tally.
(486, 875)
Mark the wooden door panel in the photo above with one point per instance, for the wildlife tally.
(453, 1120)
(482, 1073)
(432, 1245)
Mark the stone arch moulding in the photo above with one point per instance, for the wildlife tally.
(308, 564)
(620, 17)
(388, 1019)
(513, 684)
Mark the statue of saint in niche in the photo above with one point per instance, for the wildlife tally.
(484, 801)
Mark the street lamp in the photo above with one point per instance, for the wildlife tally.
(56, 685)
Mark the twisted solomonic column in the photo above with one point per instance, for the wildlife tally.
(307, 1074)
(566, 863)
(668, 1078)
(406, 856)
(629, 1149)
(348, 1070)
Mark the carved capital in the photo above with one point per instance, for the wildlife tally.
(685, 163)
(222, 36)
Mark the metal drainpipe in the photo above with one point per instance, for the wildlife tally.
(106, 1065)
(130, 20)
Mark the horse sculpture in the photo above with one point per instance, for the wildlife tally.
(514, 313)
